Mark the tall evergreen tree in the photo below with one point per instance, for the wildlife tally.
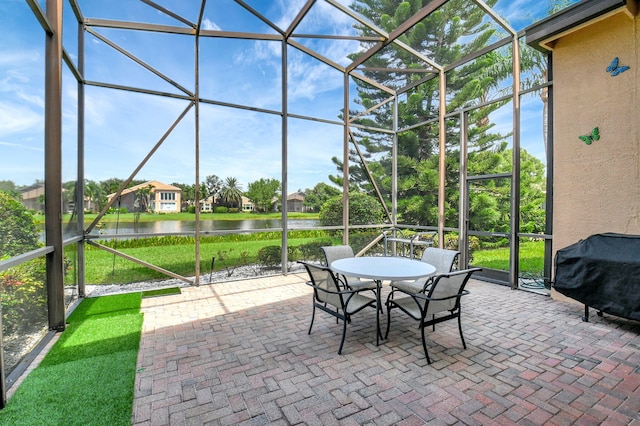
(445, 36)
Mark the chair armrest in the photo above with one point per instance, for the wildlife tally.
(427, 236)
(395, 233)
(326, 290)
(427, 284)
(342, 280)
(425, 297)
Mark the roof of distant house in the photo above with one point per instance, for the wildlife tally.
(32, 187)
(296, 196)
(157, 186)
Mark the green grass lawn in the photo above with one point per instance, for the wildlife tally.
(103, 268)
(87, 378)
(179, 259)
(531, 257)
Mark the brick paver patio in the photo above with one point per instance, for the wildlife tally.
(239, 353)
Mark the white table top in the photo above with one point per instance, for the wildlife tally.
(383, 268)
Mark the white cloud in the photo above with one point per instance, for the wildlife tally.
(16, 118)
(208, 24)
(21, 146)
(97, 107)
(36, 100)
(521, 13)
(18, 71)
(16, 58)
(309, 78)
(288, 9)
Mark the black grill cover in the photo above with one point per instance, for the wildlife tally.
(602, 272)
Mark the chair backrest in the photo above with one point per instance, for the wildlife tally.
(325, 285)
(449, 286)
(332, 253)
(442, 259)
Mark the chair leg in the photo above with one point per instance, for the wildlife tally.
(386, 334)
(344, 333)
(424, 345)
(464, 345)
(313, 315)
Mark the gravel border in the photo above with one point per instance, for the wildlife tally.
(239, 273)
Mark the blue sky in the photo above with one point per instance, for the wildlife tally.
(122, 127)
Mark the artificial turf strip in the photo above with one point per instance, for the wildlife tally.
(87, 378)
(161, 292)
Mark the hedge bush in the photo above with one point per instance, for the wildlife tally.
(18, 231)
(312, 252)
(24, 298)
(22, 287)
(363, 210)
(270, 256)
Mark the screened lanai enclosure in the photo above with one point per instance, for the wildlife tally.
(435, 110)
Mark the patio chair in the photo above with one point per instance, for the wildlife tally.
(443, 260)
(440, 303)
(332, 253)
(328, 296)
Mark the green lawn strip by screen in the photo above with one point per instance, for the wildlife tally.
(161, 292)
(87, 378)
(531, 257)
(175, 258)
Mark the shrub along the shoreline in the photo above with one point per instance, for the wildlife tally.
(177, 254)
(260, 250)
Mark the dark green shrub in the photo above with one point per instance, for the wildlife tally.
(22, 287)
(18, 231)
(311, 251)
(293, 253)
(363, 210)
(270, 256)
(24, 297)
(191, 209)
(451, 242)
(361, 239)
(221, 209)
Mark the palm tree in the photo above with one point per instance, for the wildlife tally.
(68, 194)
(144, 195)
(231, 192)
(93, 192)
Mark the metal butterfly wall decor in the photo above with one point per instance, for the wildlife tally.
(594, 136)
(616, 69)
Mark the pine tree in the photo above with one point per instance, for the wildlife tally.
(448, 34)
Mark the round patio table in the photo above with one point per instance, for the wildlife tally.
(382, 268)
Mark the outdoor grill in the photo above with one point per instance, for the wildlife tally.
(603, 272)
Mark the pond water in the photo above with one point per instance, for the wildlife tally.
(169, 226)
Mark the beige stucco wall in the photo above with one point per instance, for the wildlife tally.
(597, 186)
